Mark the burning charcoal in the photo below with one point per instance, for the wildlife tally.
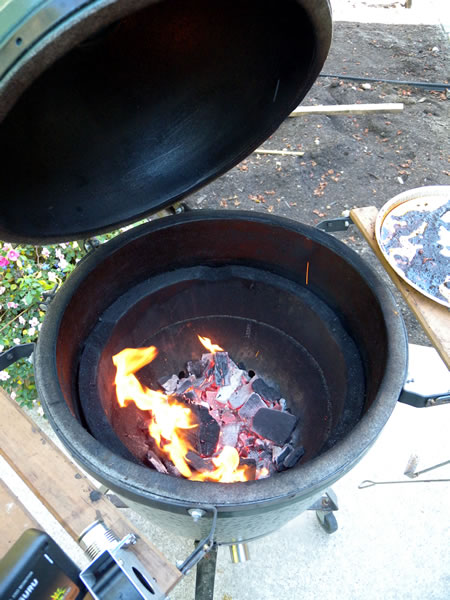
(292, 459)
(155, 462)
(274, 425)
(205, 437)
(264, 390)
(251, 467)
(196, 367)
(226, 391)
(169, 384)
(230, 434)
(240, 396)
(229, 417)
(198, 463)
(251, 406)
(185, 384)
(221, 368)
(191, 396)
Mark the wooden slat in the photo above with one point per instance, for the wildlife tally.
(65, 491)
(434, 318)
(15, 519)
(348, 109)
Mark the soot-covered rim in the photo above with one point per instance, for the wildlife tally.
(145, 486)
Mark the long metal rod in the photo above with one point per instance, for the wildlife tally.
(442, 464)
(367, 483)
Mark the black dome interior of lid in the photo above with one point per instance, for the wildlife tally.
(147, 111)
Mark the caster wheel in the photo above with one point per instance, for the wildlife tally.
(327, 521)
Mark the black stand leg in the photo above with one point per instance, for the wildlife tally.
(206, 575)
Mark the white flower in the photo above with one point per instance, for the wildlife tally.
(62, 263)
(52, 277)
(4, 376)
(2, 289)
(45, 252)
(40, 411)
(13, 395)
(22, 320)
(34, 322)
(16, 341)
(31, 331)
(59, 254)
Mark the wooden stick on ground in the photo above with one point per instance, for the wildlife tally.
(65, 491)
(279, 152)
(347, 109)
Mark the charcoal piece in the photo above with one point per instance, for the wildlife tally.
(250, 470)
(273, 425)
(191, 396)
(196, 367)
(228, 417)
(230, 434)
(226, 391)
(205, 437)
(169, 384)
(198, 463)
(221, 368)
(283, 404)
(240, 396)
(293, 457)
(251, 406)
(278, 456)
(264, 390)
(185, 384)
(155, 462)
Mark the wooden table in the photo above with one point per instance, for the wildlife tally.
(434, 318)
(64, 490)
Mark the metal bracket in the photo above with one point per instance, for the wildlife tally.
(118, 573)
(327, 503)
(14, 354)
(428, 380)
(205, 545)
(333, 225)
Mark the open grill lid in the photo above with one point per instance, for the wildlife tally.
(111, 110)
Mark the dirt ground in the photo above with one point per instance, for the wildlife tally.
(353, 161)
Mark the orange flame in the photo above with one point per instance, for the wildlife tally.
(169, 418)
(213, 348)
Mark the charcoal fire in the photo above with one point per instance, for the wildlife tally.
(213, 422)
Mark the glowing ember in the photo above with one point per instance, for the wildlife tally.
(170, 418)
(217, 423)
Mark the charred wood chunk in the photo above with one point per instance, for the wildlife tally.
(185, 384)
(274, 425)
(197, 367)
(153, 460)
(221, 368)
(251, 406)
(293, 457)
(198, 463)
(168, 384)
(264, 390)
(279, 455)
(205, 437)
(240, 396)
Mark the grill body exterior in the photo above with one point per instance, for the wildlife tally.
(213, 239)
